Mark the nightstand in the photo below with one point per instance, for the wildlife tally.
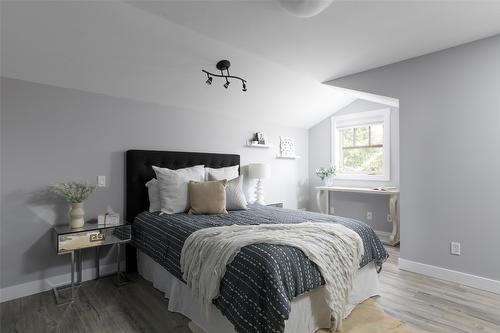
(275, 204)
(72, 241)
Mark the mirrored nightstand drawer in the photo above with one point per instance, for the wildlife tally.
(76, 240)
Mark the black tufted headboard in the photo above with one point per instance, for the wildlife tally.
(139, 171)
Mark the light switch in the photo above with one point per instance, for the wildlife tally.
(101, 181)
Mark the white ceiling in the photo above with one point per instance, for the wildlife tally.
(154, 51)
(348, 37)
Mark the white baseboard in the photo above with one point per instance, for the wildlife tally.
(451, 275)
(38, 286)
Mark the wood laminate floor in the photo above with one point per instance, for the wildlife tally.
(425, 303)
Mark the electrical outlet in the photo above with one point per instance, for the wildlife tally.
(455, 248)
(101, 181)
(369, 215)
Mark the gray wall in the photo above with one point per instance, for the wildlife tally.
(51, 134)
(449, 148)
(353, 205)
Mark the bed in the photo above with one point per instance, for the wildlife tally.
(267, 288)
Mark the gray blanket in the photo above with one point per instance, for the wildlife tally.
(259, 284)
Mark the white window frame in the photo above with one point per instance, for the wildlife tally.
(359, 119)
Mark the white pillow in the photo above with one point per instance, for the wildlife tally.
(174, 196)
(154, 195)
(235, 198)
(222, 173)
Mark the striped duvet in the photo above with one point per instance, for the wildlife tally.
(259, 284)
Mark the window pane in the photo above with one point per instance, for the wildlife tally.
(346, 137)
(362, 161)
(377, 132)
(361, 136)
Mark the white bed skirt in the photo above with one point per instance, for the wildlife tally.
(309, 311)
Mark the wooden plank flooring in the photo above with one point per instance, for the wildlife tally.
(430, 304)
(436, 305)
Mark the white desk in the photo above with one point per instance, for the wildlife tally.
(323, 198)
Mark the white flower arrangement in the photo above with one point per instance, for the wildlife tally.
(73, 192)
(324, 173)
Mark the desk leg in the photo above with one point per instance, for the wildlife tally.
(329, 207)
(394, 212)
(323, 201)
(319, 200)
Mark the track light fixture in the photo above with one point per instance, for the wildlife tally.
(223, 65)
(209, 80)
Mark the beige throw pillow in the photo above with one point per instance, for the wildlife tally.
(208, 197)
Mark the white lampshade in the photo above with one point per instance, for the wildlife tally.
(259, 171)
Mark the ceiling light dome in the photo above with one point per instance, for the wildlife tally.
(305, 8)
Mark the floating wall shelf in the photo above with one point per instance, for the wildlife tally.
(287, 157)
(258, 146)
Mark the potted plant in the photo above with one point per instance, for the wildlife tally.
(326, 174)
(75, 193)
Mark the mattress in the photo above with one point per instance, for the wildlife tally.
(308, 312)
(263, 279)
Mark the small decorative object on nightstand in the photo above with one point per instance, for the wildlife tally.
(259, 171)
(275, 204)
(71, 241)
(75, 193)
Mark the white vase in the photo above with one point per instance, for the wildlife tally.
(76, 215)
(328, 181)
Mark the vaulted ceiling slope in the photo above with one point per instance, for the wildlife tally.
(119, 50)
(154, 50)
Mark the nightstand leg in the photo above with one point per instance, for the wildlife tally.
(79, 265)
(121, 277)
(97, 258)
(72, 286)
(72, 275)
(118, 259)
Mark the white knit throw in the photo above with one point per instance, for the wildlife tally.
(335, 249)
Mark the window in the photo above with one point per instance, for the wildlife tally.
(361, 145)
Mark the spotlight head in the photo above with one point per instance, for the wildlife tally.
(226, 85)
(244, 86)
(209, 80)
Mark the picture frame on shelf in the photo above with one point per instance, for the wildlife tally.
(260, 137)
(287, 146)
